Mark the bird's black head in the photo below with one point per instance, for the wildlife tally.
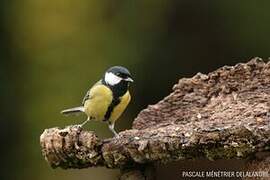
(118, 79)
(116, 74)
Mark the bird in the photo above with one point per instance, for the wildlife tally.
(107, 99)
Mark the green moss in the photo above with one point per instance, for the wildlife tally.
(218, 152)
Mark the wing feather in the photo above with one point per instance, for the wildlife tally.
(87, 95)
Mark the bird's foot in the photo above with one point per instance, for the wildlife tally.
(81, 125)
(116, 135)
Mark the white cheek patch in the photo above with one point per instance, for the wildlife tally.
(112, 79)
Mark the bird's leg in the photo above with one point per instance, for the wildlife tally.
(111, 127)
(88, 119)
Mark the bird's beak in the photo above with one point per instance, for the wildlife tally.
(129, 79)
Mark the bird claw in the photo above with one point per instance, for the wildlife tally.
(78, 126)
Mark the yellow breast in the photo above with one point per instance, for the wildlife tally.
(120, 108)
(100, 97)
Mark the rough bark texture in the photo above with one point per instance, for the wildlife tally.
(260, 163)
(224, 114)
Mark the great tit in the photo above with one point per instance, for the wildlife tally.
(107, 99)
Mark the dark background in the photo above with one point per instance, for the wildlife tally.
(52, 51)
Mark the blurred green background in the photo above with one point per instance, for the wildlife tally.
(52, 51)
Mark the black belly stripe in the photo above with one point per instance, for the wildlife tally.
(114, 103)
(118, 91)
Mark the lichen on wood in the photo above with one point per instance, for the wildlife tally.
(223, 114)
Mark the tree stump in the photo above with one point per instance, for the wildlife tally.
(221, 115)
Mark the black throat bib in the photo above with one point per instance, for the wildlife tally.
(118, 91)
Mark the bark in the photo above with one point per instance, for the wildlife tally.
(221, 115)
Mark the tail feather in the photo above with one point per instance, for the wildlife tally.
(72, 111)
